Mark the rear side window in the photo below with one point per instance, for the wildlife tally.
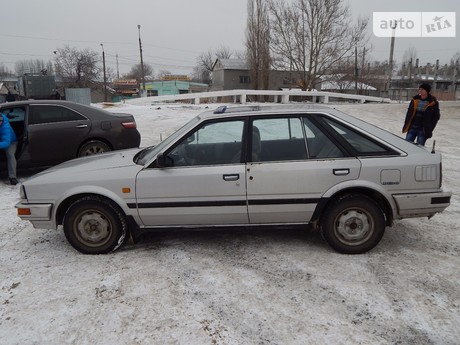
(363, 145)
(320, 146)
(40, 114)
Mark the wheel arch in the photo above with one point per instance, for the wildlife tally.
(375, 195)
(88, 140)
(67, 202)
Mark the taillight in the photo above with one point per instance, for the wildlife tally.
(131, 124)
(440, 175)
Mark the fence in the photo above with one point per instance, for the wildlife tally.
(243, 96)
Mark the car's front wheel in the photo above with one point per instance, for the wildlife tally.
(94, 225)
(353, 224)
(93, 147)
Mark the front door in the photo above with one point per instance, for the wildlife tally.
(203, 182)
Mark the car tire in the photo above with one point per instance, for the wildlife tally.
(94, 225)
(353, 224)
(93, 147)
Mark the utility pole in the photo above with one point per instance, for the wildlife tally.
(142, 61)
(105, 77)
(436, 69)
(454, 79)
(118, 71)
(392, 48)
(356, 70)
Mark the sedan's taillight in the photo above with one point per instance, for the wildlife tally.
(440, 175)
(130, 124)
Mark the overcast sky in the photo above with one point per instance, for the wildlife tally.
(174, 32)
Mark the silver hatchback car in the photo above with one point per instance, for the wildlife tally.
(244, 166)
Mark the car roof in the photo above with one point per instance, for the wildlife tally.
(82, 108)
(254, 110)
(291, 109)
(39, 101)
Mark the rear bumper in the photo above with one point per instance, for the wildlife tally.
(421, 204)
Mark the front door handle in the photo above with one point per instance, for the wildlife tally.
(81, 126)
(231, 177)
(341, 172)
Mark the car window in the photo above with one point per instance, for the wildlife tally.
(39, 114)
(211, 144)
(278, 139)
(15, 114)
(361, 144)
(320, 146)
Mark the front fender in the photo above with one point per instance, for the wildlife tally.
(72, 194)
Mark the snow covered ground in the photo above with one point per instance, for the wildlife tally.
(241, 287)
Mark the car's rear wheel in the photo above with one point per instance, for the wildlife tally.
(353, 224)
(94, 225)
(93, 147)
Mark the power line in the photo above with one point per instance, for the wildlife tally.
(95, 42)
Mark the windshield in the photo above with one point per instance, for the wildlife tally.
(149, 153)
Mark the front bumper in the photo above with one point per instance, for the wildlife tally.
(38, 214)
(421, 204)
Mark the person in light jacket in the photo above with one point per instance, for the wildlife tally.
(8, 143)
(422, 116)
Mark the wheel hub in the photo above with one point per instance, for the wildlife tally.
(93, 228)
(353, 225)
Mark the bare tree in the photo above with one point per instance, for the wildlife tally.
(4, 71)
(78, 68)
(407, 66)
(136, 72)
(310, 36)
(34, 66)
(258, 43)
(453, 68)
(205, 63)
(164, 74)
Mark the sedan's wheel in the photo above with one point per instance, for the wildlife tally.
(92, 148)
(353, 224)
(93, 225)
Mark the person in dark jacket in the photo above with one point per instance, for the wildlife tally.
(10, 97)
(8, 143)
(422, 116)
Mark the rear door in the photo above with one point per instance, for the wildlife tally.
(203, 183)
(54, 133)
(296, 165)
(16, 116)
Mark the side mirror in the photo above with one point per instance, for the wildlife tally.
(190, 139)
(163, 161)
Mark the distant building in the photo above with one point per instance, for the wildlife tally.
(344, 83)
(8, 84)
(405, 87)
(173, 87)
(234, 74)
(230, 74)
(125, 88)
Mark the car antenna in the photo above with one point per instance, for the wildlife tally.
(434, 144)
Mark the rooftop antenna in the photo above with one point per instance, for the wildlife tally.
(434, 144)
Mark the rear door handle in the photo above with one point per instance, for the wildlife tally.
(81, 126)
(231, 177)
(341, 172)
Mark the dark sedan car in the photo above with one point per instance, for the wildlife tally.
(50, 132)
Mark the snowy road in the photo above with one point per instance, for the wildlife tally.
(238, 287)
